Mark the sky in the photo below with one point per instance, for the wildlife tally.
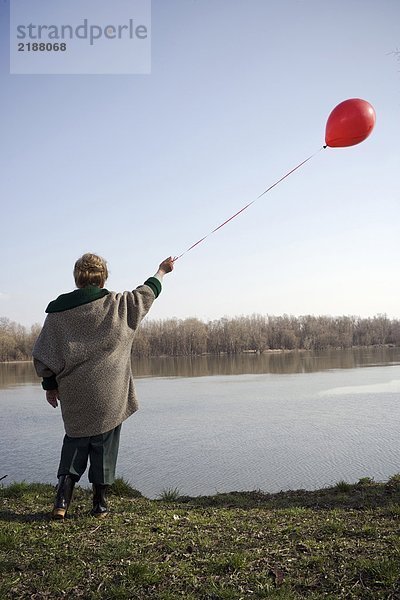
(139, 167)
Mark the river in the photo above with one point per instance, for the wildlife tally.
(214, 424)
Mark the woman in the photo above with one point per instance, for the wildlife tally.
(83, 354)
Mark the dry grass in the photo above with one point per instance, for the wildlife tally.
(338, 543)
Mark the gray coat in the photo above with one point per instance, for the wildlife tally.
(88, 349)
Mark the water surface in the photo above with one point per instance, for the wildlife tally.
(281, 421)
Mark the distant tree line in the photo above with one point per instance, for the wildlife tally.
(255, 333)
(16, 341)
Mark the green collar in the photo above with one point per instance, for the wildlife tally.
(76, 298)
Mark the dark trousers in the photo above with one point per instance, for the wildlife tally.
(102, 450)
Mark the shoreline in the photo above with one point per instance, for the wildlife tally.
(124, 488)
(267, 351)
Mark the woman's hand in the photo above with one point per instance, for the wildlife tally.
(167, 265)
(52, 397)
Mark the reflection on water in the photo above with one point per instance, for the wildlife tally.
(17, 373)
(387, 387)
(12, 374)
(271, 362)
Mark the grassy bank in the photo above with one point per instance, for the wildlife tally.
(340, 542)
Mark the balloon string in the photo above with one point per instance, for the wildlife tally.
(249, 204)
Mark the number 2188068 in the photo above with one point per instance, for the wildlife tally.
(42, 47)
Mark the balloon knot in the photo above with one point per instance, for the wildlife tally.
(325, 146)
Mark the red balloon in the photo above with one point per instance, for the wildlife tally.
(349, 123)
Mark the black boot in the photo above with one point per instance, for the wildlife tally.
(100, 508)
(65, 489)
